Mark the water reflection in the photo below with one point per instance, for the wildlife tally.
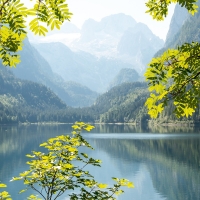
(162, 166)
(173, 165)
(15, 143)
(127, 128)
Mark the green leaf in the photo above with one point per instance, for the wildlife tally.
(2, 185)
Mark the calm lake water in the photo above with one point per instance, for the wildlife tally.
(163, 163)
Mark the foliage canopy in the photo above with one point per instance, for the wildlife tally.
(44, 15)
(174, 76)
(158, 9)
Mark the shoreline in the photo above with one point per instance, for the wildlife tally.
(149, 123)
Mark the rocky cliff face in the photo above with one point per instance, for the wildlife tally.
(101, 38)
(120, 37)
(139, 43)
(177, 33)
(178, 19)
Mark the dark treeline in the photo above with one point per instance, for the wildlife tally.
(25, 101)
(28, 102)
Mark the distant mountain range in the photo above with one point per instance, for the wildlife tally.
(35, 68)
(81, 67)
(74, 76)
(52, 77)
(117, 37)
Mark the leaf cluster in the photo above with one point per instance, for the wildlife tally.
(158, 9)
(55, 171)
(13, 15)
(174, 76)
(4, 195)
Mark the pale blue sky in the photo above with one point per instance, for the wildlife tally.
(97, 9)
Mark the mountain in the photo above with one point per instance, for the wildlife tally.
(139, 43)
(27, 93)
(81, 67)
(125, 75)
(23, 101)
(20, 99)
(101, 38)
(35, 68)
(183, 28)
(119, 37)
(140, 36)
(113, 25)
(190, 31)
(115, 37)
(178, 19)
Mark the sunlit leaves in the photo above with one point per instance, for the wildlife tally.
(13, 15)
(4, 195)
(174, 76)
(55, 171)
(102, 186)
(158, 9)
(33, 197)
(2, 185)
(50, 14)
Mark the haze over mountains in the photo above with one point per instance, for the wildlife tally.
(115, 36)
(35, 68)
(81, 67)
(100, 51)
(103, 50)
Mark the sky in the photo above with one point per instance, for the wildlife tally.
(97, 9)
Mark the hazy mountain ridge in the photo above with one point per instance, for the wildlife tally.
(105, 38)
(125, 75)
(178, 19)
(114, 43)
(81, 67)
(183, 28)
(35, 68)
(102, 39)
(140, 44)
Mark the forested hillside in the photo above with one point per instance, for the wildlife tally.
(19, 99)
(124, 103)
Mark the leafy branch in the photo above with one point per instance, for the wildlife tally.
(174, 76)
(56, 173)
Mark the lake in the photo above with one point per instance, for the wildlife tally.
(163, 162)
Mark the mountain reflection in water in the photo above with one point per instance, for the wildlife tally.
(162, 163)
